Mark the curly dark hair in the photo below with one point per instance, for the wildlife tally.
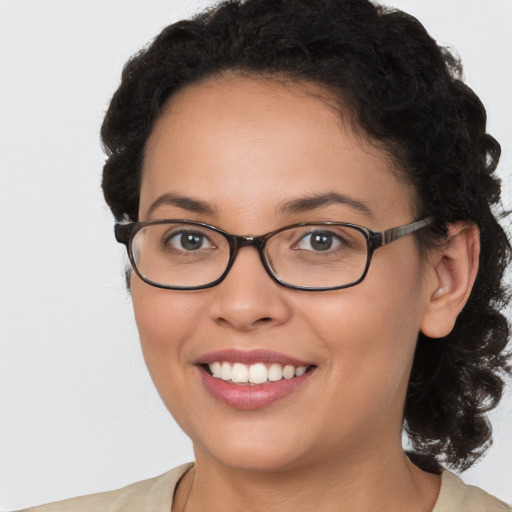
(406, 94)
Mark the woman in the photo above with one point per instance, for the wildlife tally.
(305, 192)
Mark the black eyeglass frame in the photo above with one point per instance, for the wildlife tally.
(126, 231)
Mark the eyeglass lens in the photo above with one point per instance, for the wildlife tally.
(188, 255)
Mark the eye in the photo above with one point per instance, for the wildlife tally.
(188, 241)
(319, 241)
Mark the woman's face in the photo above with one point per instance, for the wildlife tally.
(241, 149)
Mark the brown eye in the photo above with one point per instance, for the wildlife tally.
(319, 241)
(188, 241)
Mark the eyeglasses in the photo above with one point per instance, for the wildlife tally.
(311, 256)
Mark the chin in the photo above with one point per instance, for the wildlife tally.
(250, 448)
(270, 459)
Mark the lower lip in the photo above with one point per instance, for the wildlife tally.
(250, 397)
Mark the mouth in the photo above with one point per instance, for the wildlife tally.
(251, 380)
(254, 374)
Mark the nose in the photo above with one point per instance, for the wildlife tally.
(248, 298)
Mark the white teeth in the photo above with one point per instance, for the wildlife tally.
(215, 368)
(289, 371)
(225, 371)
(301, 370)
(275, 372)
(255, 373)
(240, 373)
(258, 373)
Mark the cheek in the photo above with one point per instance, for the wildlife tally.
(165, 321)
(368, 340)
(370, 332)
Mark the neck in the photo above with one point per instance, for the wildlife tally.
(382, 480)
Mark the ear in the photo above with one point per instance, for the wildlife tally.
(454, 266)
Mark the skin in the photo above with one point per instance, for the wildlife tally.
(245, 146)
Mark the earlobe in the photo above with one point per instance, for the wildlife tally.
(454, 270)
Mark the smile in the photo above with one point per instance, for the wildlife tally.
(258, 373)
(252, 379)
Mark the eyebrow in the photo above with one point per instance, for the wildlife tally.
(183, 202)
(305, 204)
(302, 204)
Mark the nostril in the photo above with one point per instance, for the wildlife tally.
(260, 321)
(264, 321)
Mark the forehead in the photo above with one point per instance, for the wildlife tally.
(254, 143)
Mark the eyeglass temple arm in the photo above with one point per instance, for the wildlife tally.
(390, 235)
(122, 232)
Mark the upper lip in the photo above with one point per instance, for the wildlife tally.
(252, 356)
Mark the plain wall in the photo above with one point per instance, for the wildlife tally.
(78, 412)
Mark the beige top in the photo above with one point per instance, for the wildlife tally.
(156, 494)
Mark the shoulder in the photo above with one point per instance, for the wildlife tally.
(152, 495)
(456, 496)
